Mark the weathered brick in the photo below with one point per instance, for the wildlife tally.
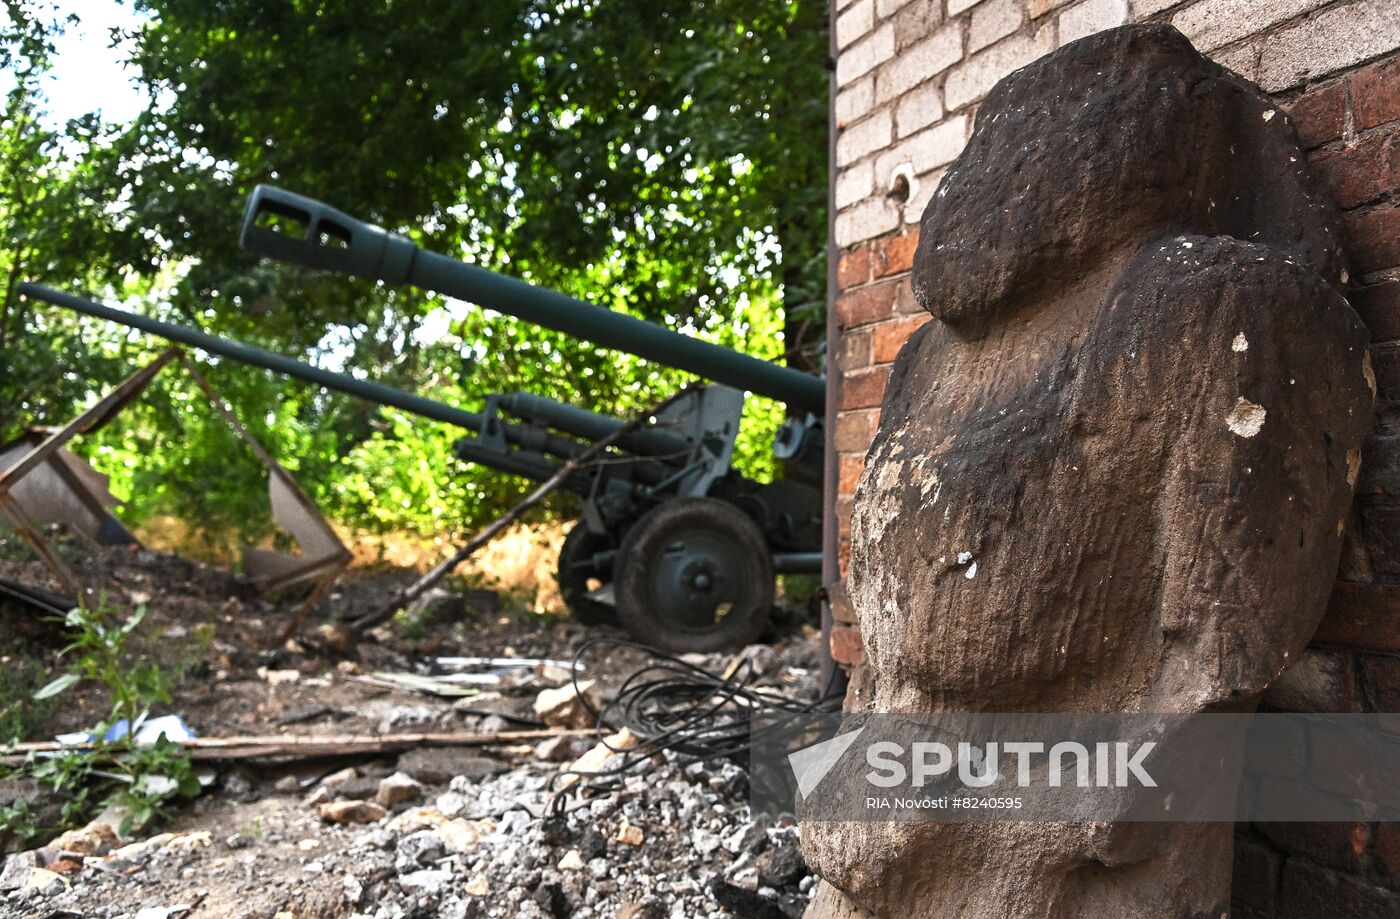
(1242, 58)
(1388, 849)
(872, 217)
(916, 22)
(854, 183)
(925, 151)
(855, 22)
(865, 55)
(855, 430)
(905, 304)
(918, 109)
(855, 101)
(1144, 8)
(842, 610)
(864, 137)
(854, 268)
(957, 6)
(1380, 467)
(1319, 115)
(843, 557)
(927, 185)
(1375, 93)
(1213, 23)
(847, 648)
(891, 336)
(1380, 531)
(1336, 845)
(1385, 364)
(854, 350)
(994, 20)
(844, 506)
(1375, 238)
(895, 254)
(1364, 171)
(1256, 875)
(865, 305)
(1312, 892)
(849, 473)
(970, 80)
(1091, 16)
(884, 9)
(919, 62)
(865, 389)
(1363, 616)
(1382, 675)
(1335, 38)
(1037, 8)
(1319, 681)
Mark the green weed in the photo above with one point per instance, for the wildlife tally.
(141, 780)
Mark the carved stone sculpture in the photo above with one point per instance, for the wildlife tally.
(1113, 474)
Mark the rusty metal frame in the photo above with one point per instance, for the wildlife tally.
(321, 572)
(90, 420)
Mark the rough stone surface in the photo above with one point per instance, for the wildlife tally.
(567, 706)
(1139, 415)
(352, 812)
(397, 789)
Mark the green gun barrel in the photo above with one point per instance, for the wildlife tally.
(333, 241)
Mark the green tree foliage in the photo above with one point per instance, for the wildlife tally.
(662, 158)
(56, 202)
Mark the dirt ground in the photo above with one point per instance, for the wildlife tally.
(470, 835)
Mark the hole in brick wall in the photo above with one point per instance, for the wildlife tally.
(899, 188)
(902, 186)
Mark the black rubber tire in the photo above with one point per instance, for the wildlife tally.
(747, 569)
(573, 584)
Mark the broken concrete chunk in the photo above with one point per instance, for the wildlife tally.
(554, 749)
(94, 839)
(427, 881)
(439, 766)
(16, 870)
(462, 836)
(630, 835)
(43, 882)
(596, 758)
(397, 789)
(781, 865)
(566, 707)
(352, 812)
(327, 787)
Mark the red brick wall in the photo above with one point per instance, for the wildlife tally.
(909, 76)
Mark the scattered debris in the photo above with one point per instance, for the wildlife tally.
(397, 789)
(630, 835)
(275, 746)
(487, 835)
(97, 838)
(596, 759)
(42, 482)
(569, 706)
(352, 812)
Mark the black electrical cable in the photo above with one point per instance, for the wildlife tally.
(670, 704)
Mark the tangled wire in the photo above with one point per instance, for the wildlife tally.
(672, 705)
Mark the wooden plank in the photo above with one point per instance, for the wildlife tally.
(316, 746)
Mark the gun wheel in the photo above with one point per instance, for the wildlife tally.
(694, 574)
(579, 575)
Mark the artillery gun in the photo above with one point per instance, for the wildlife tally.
(674, 543)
